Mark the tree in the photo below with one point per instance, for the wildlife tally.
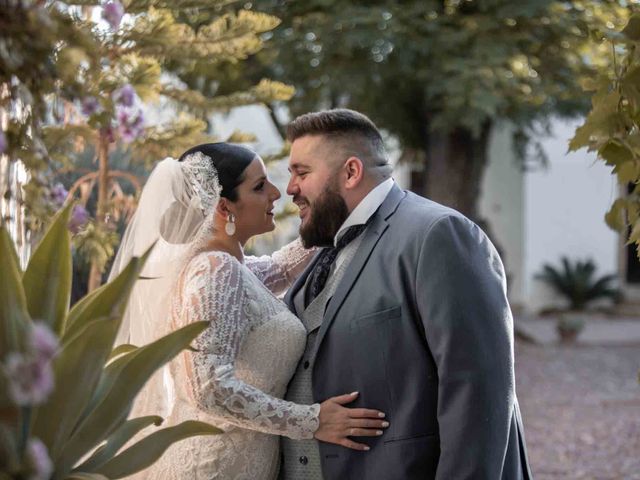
(137, 61)
(612, 128)
(38, 43)
(439, 75)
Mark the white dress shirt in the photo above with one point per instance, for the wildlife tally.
(362, 213)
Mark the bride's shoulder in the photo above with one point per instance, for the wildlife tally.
(211, 262)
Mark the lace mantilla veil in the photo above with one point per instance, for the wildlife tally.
(176, 210)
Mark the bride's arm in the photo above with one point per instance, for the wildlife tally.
(213, 291)
(279, 270)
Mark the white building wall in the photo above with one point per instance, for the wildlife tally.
(564, 214)
(502, 204)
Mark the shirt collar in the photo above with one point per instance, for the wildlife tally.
(366, 208)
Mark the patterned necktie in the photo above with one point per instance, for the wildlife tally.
(321, 271)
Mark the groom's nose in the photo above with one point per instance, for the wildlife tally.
(292, 187)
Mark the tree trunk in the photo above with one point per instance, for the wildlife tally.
(95, 275)
(453, 170)
(454, 167)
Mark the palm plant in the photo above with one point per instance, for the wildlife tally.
(65, 393)
(578, 283)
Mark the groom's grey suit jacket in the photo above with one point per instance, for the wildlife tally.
(421, 327)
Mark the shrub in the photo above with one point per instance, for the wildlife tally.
(578, 284)
(65, 393)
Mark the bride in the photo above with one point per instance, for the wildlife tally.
(201, 210)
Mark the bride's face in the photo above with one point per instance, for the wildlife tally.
(256, 196)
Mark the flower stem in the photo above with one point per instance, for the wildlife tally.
(25, 428)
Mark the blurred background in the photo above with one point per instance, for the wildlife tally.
(522, 115)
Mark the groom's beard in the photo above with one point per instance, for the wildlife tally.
(326, 216)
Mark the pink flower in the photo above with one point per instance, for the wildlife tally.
(3, 142)
(125, 95)
(79, 218)
(90, 105)
(112, 12)
(37, 460)
(58, 195)
(43, 342)
(30, 379)
(131, 124)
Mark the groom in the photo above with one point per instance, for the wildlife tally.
(406, 305)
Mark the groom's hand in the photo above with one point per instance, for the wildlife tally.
(338, 423)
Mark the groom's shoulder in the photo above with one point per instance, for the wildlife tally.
(420, 213)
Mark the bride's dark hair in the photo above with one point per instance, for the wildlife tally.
(229, 160)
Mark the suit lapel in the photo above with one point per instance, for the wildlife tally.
(371, 237)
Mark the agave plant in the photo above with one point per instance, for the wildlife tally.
(65, 392)
(578, 283)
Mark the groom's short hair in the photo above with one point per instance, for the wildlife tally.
(351, 132)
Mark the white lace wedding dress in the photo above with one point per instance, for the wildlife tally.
(245, 361)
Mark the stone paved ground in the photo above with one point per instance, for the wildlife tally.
(581, 410)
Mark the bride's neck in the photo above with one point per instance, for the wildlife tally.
(226, 244)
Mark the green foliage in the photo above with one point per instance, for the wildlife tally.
(40, 44)
(96, 243)
(437, 75)
(47, 279)
(438, 65)
(71, 71)
(577, 282)
(83, 422)
(612, 128)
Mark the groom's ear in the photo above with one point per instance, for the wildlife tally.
(354, 169)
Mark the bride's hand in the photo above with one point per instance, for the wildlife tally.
(338, 423)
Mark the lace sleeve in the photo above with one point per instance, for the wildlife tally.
(279, 270)
(213, 290)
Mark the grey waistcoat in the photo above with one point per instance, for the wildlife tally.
(302, 458)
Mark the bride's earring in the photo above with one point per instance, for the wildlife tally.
(230, 226)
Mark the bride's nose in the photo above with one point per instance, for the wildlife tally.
(275, 193)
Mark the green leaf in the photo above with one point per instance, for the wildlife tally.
(632, 30)
(133, 370)
(615, 216)
(117, 440)
(13, 305)
(633, 211)
(110, 299)
(630, 87)
(47, 279)
(603, 120)
(85, 476)
(614, 153)
(77, 369)
(150, 449)
(79, 307)
(634, 236)
(582, 137)
(121, 350)
(627, 172)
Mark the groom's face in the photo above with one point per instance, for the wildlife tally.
(315, 187)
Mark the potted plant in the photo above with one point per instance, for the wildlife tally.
(578, 283)
(569, 327)
(65, 393)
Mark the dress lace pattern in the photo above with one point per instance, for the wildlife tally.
(244, 362)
